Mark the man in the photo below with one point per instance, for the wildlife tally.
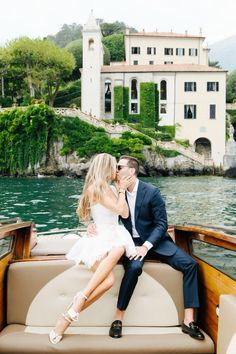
(147, 223)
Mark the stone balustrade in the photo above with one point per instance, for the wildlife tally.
(231, 106)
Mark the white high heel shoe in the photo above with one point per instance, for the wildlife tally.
(70, 316)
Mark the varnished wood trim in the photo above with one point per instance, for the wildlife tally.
(3, 268)
(212, 234)
(213, 284)
(6, 230)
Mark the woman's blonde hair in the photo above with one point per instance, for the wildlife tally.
(101, 171)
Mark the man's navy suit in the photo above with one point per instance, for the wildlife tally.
(151, 225)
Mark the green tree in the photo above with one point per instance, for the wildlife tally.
(67, 34)
(115, 27)
(231, 87)
(44, 65)
(4, 67)
(115, 44)
(214, 64)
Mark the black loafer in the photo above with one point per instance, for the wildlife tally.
(116, 329)
(193, 330)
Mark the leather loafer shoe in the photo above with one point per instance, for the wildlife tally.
(116, 329)
(193, 330)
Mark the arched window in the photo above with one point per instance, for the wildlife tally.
(107, 96)
(134, 90)
(134, 96)
(91, 44)
(163, 90)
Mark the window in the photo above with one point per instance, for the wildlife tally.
(212, 86)
(134, 108)
(151, 62)
(163, 90)
(91, 44)
(6, 245)
(135, 62)
(108, 96)
(190, 111)
(134, 90)
(168, 62)
(190, 86)
(180, 51)
(151, 50)
(218, 257)
(134, 96)
(212, 111)
(192, 52)
(163, 108)
(168, 51)
(135, 50)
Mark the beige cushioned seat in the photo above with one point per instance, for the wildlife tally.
(39, 291)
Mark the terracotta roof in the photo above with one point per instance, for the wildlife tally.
(160, 68)
(163, 34)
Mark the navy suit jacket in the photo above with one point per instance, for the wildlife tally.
(151, 219)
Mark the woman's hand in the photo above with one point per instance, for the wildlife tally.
(91, 230)
(126, 182)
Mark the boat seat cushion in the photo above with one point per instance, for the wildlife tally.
(38, 291)
(18, 339)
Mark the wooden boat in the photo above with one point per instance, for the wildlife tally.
(35, 287)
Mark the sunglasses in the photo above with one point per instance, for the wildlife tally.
(119, 167)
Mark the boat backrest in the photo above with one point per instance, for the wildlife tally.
(43, 289)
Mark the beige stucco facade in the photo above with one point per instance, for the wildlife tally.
(208, 121)
(194, 50)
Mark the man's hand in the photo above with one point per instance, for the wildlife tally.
(141, 253)
(91, 230)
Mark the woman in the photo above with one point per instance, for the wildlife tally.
(104, 203)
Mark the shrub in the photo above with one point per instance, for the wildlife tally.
(166, 152)
(184, 143)
(6, 101)
(69, 94)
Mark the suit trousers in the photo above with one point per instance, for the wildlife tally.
(179, 260)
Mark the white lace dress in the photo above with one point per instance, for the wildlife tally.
(89, 249)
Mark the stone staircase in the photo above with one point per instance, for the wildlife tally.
(117, 130)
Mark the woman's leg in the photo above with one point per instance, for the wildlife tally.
(99, 291)
(96, 286)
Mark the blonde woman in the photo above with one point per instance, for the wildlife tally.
(103, 203)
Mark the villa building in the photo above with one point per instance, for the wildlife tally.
(191, 94)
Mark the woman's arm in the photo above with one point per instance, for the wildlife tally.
(117, 204)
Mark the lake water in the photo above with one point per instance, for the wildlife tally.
(51, 202)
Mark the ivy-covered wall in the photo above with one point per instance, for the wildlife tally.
(149, 105)
(25, 137)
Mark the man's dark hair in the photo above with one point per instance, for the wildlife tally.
(132, 162)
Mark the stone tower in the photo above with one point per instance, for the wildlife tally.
(92, 62)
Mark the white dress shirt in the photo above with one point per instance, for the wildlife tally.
(131, 197)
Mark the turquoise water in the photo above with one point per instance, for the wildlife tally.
(51, 202)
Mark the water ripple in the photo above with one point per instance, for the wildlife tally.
(51, 202)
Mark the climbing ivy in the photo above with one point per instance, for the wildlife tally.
(149, 105)
(25, 137)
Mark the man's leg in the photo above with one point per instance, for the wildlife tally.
(189, 267)
(133, 269)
